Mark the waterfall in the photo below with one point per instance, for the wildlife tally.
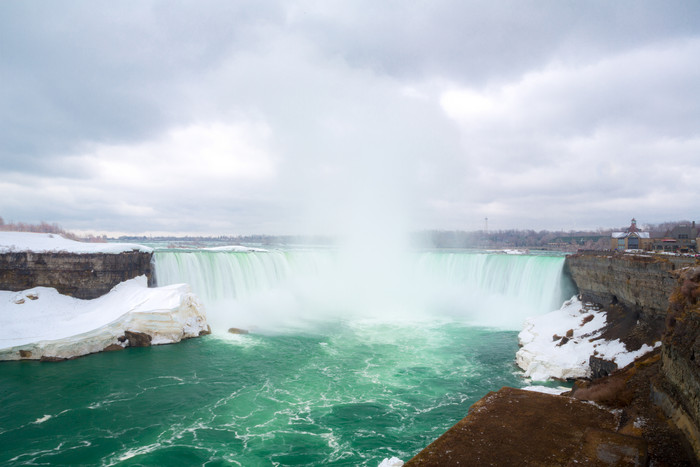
(279, 289)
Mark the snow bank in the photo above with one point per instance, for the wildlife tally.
(40, 322)
(11, 242)
(547, 390)
(547, 352)
(393, 462)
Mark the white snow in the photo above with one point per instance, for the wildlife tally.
(543, 357)
(393, 462)
(11, 242)
(45, 323)
(547, 390)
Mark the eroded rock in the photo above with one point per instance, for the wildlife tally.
(601, 367)
(138, 339)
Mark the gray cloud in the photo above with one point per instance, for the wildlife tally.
(303, 117)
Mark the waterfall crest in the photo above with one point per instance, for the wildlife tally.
(271, 290)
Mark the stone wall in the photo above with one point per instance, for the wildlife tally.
(640, 284)
(84, 276)
(649, 290)
(680, 393)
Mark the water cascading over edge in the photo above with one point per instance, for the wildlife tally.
(276, 289)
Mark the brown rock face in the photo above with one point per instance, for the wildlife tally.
(113, 348)
(517, 427)
(84, 276)
(681, 358)
(601, 367)
(138, 339)
(639, 283)
(633, 289)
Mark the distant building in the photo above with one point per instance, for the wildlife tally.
(631, 239)
(682, 238)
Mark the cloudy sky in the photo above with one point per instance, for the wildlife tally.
(289, 117)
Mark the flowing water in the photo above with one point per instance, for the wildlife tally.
(348, 361)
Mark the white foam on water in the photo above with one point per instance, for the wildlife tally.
(42, 419)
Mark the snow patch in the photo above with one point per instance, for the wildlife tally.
(393, 462)
(13, 242)
(40, 322)
(547, 390)
(559, 344)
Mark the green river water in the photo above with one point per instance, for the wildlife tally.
(351, 389)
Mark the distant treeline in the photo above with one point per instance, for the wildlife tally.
(45, 227)
(424, 239)
(513, 238)
(543, 239)
(191, 240)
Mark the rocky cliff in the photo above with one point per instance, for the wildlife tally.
(633, 289)
(647, 298)
(625, 427)
(87, 275)
(679, 392)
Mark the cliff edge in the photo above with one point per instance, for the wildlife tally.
(633, 289)
(678, 393)
(80, 270)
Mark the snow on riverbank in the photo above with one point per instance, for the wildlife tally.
(12, 242)
(559, 344)
(40, 322)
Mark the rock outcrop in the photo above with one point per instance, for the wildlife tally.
(85, 275)
(517, 427)
(633, 289)
(679, 392)
(640, 283)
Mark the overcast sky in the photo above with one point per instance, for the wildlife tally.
(289, 117)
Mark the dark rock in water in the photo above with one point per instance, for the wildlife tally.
(46, 358)
(601, 367)
(138, 339)
(237, 331)
(206, 331)
(112, 348)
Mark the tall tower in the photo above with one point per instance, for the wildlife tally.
(633, 226)
(486, 225)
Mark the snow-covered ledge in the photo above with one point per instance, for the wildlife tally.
(41, 323)
(12, 242)
(558, 345)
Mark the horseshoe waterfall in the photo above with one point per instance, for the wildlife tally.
(349, 358)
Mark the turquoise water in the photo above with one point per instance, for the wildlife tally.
(344, 388)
